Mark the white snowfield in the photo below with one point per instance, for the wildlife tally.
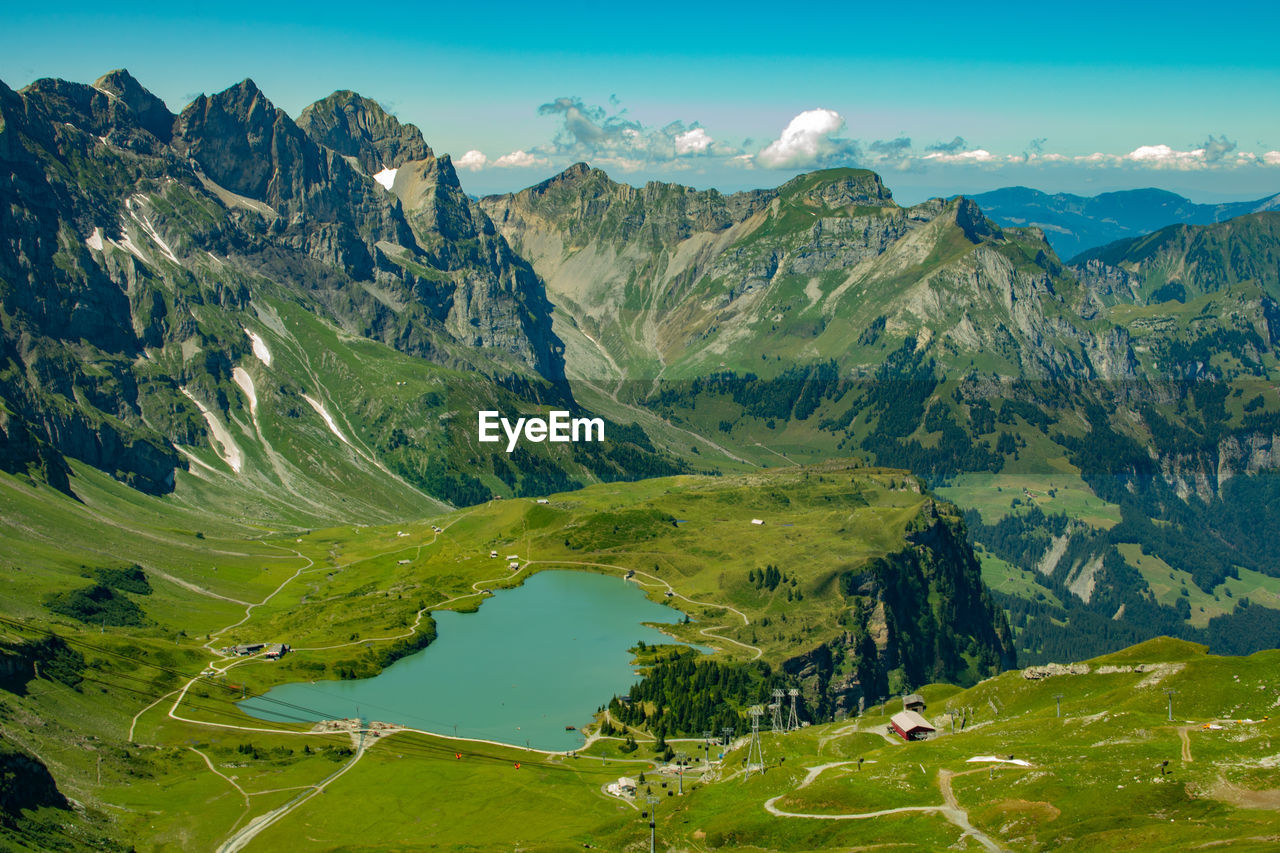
(145, 222)
(245, 381)
(259, 347)
(386, 177)
(328, 419)
(987, 759)
(230, 452)
(126, 243)
(94, 240)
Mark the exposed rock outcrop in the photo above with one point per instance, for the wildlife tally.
(360, 128)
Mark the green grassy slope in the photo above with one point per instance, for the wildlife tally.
(345, 598)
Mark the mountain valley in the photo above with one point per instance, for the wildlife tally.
(862, 449)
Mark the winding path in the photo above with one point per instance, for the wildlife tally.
(241, 838)
(950, 810)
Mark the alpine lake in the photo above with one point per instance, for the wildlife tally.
(531, 662)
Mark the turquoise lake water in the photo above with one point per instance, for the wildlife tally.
(529, 662)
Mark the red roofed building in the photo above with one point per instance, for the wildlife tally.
(911, 726)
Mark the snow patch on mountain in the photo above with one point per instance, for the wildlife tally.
(328, 419)
(259, 347)
(245, 381)
(230, 452)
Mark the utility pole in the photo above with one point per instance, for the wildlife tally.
(653, 813)
(776, 708)
(706, 749)
(1169, 691)
(1058, 697)
(754, 752)
(793, 724)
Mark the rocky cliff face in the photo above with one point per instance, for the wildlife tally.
(919, 615)
(359, 128)
(25, 783)
(1202, 475)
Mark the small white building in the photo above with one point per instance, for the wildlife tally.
(624, 787)
(757, 521)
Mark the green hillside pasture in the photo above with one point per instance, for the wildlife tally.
(203, 569)
(1096, 777)
(1167, 584)
(993, 494)
(1002, 576)
(818, 522)
(410, 790)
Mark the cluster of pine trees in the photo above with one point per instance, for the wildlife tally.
(687, 696)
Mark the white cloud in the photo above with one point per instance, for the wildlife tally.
(1271, 158)
(1164, 157)
(519, 160)
(473, 161)
(808, 140)
(977, 155)
(589, 132)
(695, 141)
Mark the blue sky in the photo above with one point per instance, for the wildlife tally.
(940, 98)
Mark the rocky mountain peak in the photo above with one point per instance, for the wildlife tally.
(839, 188)
(102, 112)
(240, 138)
(972, 222)
(578, 178)
(359, 127)
(151, 112)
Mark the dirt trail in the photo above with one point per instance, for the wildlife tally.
(645, 413)
(1246, 798)
(958, 816)
(232, 782)
(788, 459)
(189, 586)
(951, 809)
(1184, 733)
(1186, 742)
(240, 839)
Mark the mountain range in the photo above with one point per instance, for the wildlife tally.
(1073, 223)
(297, 319)
(241, 358)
